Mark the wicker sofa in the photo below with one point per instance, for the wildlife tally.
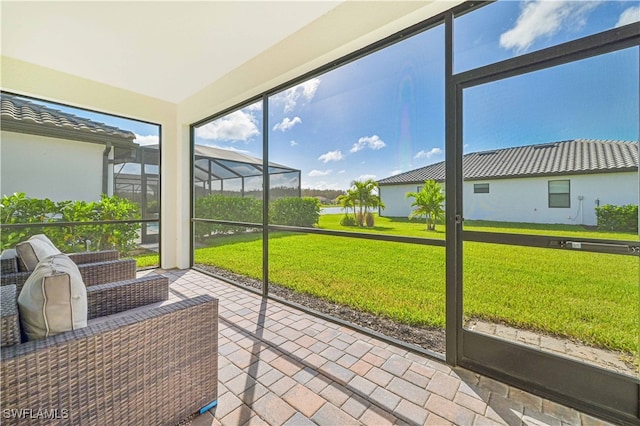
(140, 360)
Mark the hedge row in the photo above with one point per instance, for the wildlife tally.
(20, 209)
(292, 211)
(617, 218)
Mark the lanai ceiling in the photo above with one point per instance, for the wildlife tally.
(167, 50)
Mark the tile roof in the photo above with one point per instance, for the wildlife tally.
(20, 113)
(567, 157)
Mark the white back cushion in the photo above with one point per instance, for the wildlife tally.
(53, 299)
(34, 250)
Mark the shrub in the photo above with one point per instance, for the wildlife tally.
(294, 211)
(226, 207)
(348, 220)
(18, 208)
(618, 218)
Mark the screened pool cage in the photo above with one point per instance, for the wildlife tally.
(136, 177)
(216, 171)
(222, 171)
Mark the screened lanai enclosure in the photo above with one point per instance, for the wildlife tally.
(136, 177)
(232, 173)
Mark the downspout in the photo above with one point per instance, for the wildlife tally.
(105, 168)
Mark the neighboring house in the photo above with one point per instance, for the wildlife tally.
(47, 153)
(560, 182)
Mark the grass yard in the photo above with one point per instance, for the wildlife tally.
(147, 260)
(415, 228)
(588, 296)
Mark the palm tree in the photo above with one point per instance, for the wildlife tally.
(364, 195)
(429, 203)
(347, 201)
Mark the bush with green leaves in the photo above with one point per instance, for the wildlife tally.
(225, 207)
(617, 218)
(294, 211)
(20, 209)
(348, 220)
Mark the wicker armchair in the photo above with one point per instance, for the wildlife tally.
(95, 267)
(152, 365)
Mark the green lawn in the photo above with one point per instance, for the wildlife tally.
(147, 260)
(588, 296)
(415, 228)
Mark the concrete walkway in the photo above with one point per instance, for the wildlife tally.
(280, 366)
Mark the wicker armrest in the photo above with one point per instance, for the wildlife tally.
(94, 256)
(153, 367)
(9, 321)
(8, 265)
(16, 278)
(92, 273)
(111, 298)
(108, 271)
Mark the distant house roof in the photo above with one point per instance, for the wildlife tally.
(21, 116)
(568, 157)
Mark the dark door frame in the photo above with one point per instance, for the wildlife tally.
(586, 387)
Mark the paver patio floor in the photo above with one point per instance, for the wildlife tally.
(281, 366)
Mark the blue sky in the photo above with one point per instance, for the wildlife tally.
(384, 114)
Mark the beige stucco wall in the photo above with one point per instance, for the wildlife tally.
(44, 167)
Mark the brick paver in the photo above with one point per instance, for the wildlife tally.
(280, 366)
(600, 357)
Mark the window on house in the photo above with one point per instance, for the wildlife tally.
(559, 194)
(419, 188)
(480, 188)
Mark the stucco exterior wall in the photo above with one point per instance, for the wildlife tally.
(526, 199)
(394, 198)
(57, 169)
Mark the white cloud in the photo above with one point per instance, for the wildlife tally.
(374, 142)
(342, 172)
(331, 156)
(293, 143)
(282, 180)
(147, 140)
(237, 126)
(629, 16)
(543, 18)
(256, 106)
(287, 123)
(365, 177)
(314, 173)
(396, 172)
(303, 92)
(325, 185)
(428, 154)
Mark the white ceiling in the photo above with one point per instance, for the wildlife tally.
(167, 50)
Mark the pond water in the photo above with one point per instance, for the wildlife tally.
(331, 210)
